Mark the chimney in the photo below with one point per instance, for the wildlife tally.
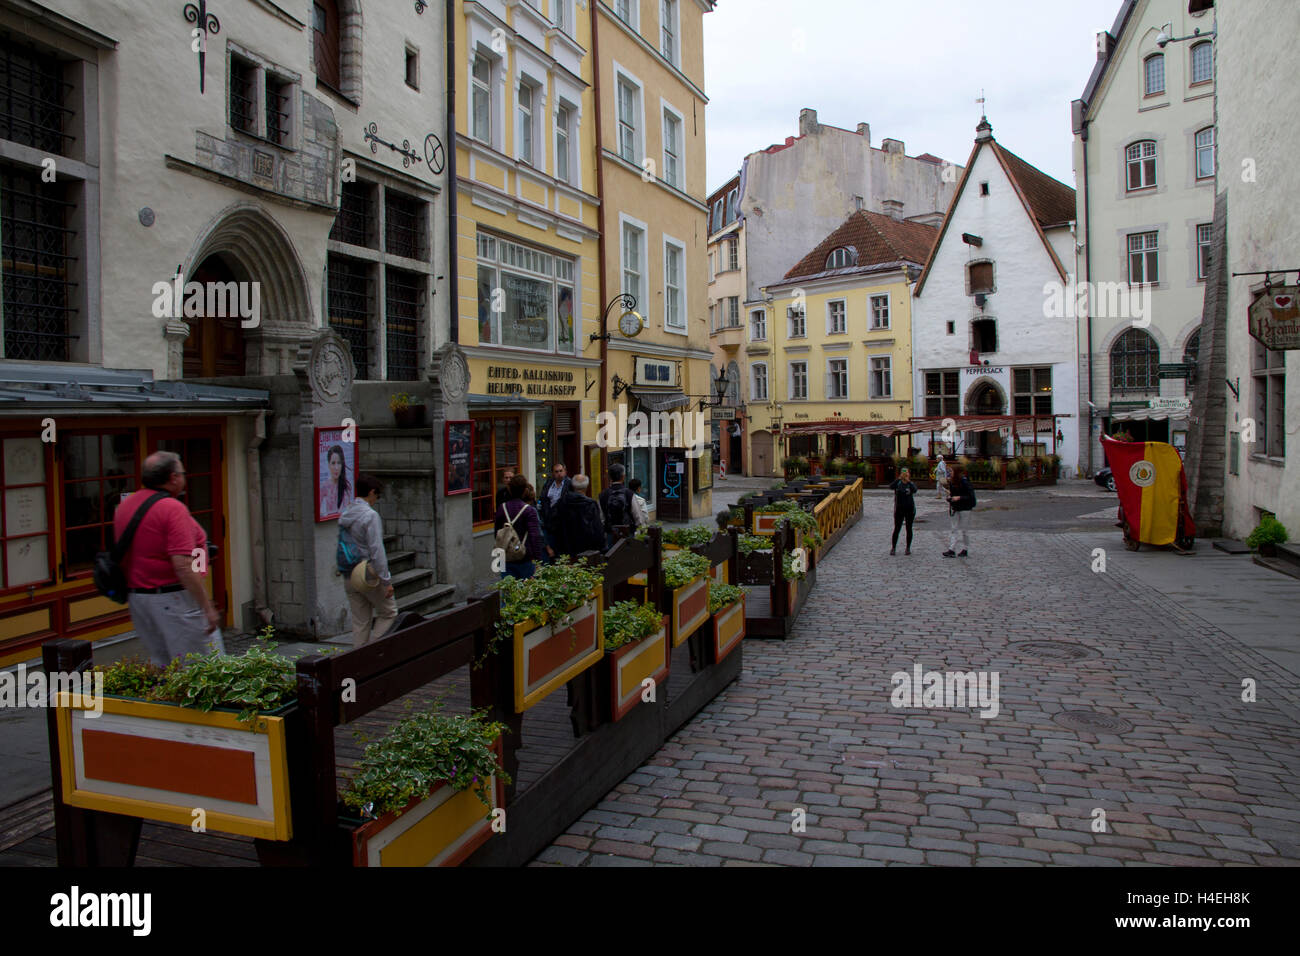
(984, 131)
(893, 208)
(807, 122)
(892, 146)
(864, 130)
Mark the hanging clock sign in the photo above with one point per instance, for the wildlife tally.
(630, 324)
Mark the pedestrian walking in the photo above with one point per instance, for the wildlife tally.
(503, 489)
(904, 490)
(170, 609)
(552, 491)
(518, 530)
(368, 584)
(961, 500)
(640, 516)
(578, 525)
(941, 478)
(615, 504)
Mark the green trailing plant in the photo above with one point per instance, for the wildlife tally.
(804, 523)
(690, 536)
(788, 568)
(1268, 531)
(779, 506)
(628, 622)
(546, 597)
(419, 752)
(683, 567)
(749, 543)
(254, 682)
(721, 595)
(130, 677)
(399, 401)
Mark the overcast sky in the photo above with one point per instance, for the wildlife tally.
(911, 69)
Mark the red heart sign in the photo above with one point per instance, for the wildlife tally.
(1282, 301)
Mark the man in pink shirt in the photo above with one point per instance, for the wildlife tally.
(171, 611)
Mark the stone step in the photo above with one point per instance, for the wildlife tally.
(429, 600)
(400, 560)
(1281, 565)
(390, 542)
(1289, 551)
(1229, 546)
(406, 582)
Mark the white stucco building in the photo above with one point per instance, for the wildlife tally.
(986, 339)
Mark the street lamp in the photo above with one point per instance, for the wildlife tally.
(720, 385)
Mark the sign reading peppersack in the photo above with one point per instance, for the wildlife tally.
(1275, 318)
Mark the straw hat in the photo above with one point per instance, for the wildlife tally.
(364, 577)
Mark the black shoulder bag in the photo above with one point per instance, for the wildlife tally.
(110, 579)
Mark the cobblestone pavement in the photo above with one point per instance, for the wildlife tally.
(1201, 778)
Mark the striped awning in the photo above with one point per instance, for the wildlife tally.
(659, 401)
(1024, 426)
(848, 427)
(1149, 414)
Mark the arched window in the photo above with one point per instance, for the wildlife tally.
(1153, 72)
(1202, 62)
(842, 258)
(1191, 356)
(1134, 362)
(1205, 153)
(733, 383)
(1141, 161)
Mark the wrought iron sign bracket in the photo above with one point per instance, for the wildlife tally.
(408, 155)
(204, 23)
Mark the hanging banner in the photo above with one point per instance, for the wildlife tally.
(1274, 318)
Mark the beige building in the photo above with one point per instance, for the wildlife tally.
(729, 422)
(1144, 160)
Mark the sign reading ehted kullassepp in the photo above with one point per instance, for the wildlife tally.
(1275, 318)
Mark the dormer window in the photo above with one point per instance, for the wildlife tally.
(842, 258)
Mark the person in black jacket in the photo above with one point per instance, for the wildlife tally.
(961, 499)
(555, 488)
(904, 490)
(578, 523)
(616, 505)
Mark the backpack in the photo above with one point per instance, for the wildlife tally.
(508, 538)
(108, 574)
(618, 509)
(348, 554)
(593, 529)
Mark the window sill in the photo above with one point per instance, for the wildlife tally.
(1153, 106)
(324, 87)
(1275, 461)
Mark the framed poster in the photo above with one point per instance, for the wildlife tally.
(458, 452)
(704, 469)
(336, 473)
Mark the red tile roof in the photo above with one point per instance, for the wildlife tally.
(1051, 201)
(878, 239)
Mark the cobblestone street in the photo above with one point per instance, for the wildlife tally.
(1182, 771)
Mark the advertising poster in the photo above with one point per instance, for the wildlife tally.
(336, 473)
(459, 446)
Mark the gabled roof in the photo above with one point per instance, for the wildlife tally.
(1115, 32)
(1047, 201)
(876, 238)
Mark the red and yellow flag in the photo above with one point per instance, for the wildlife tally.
(1150, 482)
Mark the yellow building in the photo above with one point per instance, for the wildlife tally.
(841, 329)
(527, 245)
(650, 105)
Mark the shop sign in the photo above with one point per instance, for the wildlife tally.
(1170, 404)
(723, 414)
(652, 371)
(1274, 318)
(533, 382)
(985, 370)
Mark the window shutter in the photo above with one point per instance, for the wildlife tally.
(564, 423)
(328, 60)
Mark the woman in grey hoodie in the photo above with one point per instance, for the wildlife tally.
(374, 609)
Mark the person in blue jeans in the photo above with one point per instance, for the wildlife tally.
(523, 518)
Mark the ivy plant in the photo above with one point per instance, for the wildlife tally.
(548, 596)
(419, 752)
(805, 523)
(749, 543)
(785, 504)
(629, 621)
(683, 567)
(690, 536)
(255, 681)
(788, 570)
(130, 677)
(722, 594)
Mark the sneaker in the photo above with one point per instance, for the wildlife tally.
(950, 554)
(963, 553)
(892, 550)
(908, 551)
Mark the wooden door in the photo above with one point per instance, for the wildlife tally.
(760, 449)
(215, 346)
(201, 450)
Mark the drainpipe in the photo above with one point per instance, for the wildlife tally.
(256, 519)
(1087, 265)
(600, 191)
(453, 230)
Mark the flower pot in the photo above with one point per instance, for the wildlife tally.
(633, 663)
(161, 761)
(728, 629)
(440, 829)
(690, 608)
(412, 416)
(548, 656)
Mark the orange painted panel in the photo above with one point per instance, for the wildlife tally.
(217, 772)
(562, 647)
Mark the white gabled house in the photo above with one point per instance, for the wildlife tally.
(993, 327)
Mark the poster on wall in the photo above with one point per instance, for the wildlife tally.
(336, 473)
(673, 485)
(458, 450)
(704, 469)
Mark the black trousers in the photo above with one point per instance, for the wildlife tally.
(899, 518)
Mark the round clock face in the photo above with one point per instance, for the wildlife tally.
(630, 324)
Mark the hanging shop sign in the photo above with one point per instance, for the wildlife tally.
(652, 371)
(532, 382)
(1274, 318)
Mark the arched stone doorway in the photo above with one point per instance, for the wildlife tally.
(216, 342)
(985, 397)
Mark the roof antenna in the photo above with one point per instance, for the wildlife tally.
(980, 101)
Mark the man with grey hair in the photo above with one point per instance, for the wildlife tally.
(165, 566)
(579, 526)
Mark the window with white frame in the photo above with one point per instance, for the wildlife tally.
(758, 325)
(1205, 153)
(525, 296)
(713, 317)
(629, 110)
(837, 378)
(1202, 62)
(713, 272)
(798, 380)
(674, 297)
(668, 30)
(1268, 372)
(879, 311)
(836, 323)
(842, 258)
(672, 149)
(733, 312)
(563, 20)
(798, 326)
(627, 11)
(733, 253)
(633, 259)
(563, 117)
(758, 382)
(1153, 73)
(481, 95)
(1032, 391)
(1204, 242)
(524, 128)
(1143, 258)
(879, 380)
(942, 393)
(1141, 160)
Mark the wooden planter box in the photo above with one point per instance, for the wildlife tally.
(690, 608)
(441, 829)
(549, 656)
(162, 762)
(728, 629)
(633, 663)
(765, 522)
